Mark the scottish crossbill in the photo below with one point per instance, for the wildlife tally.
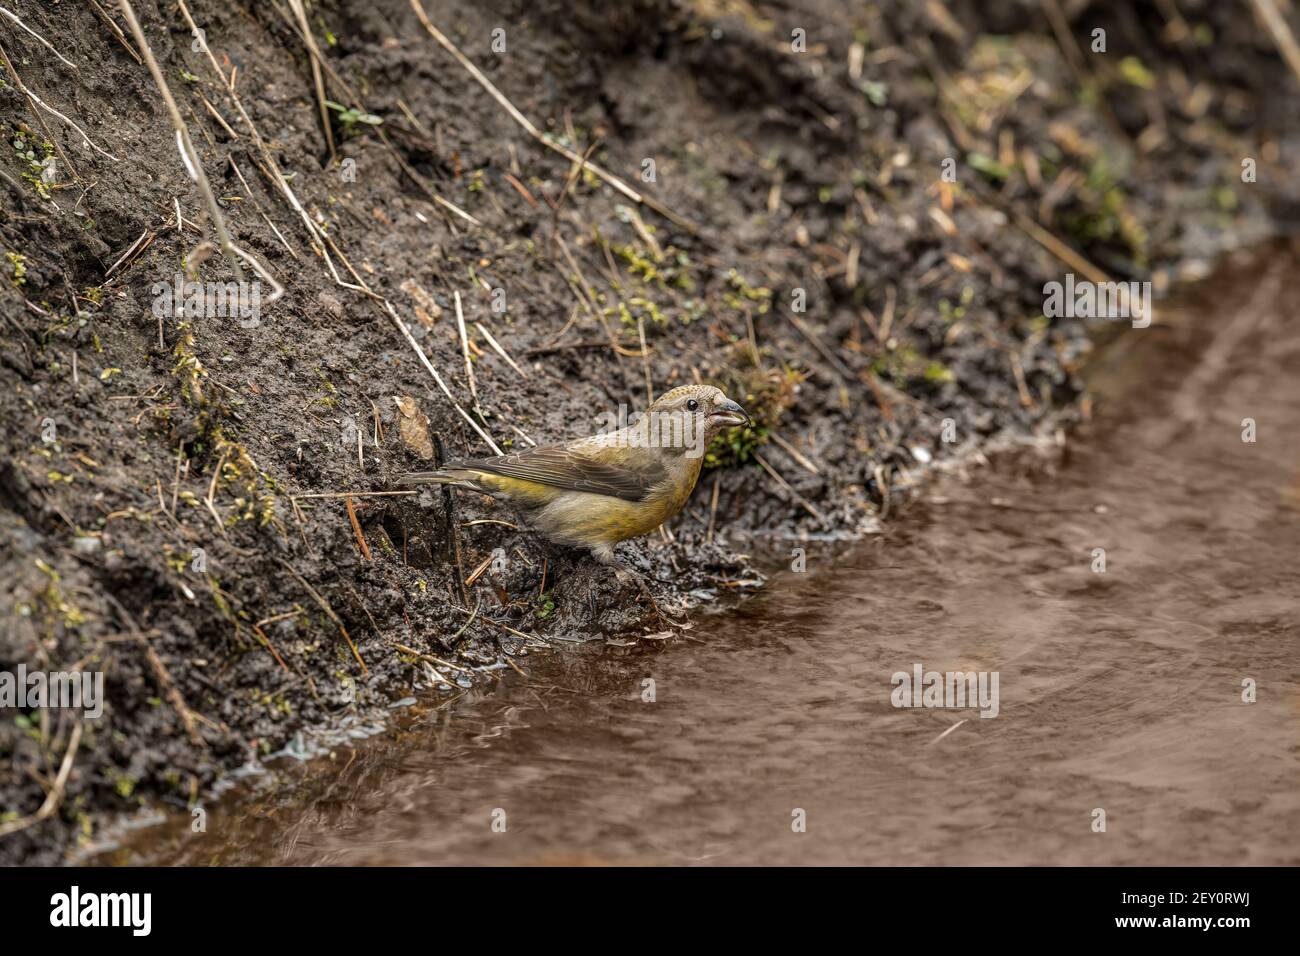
(594, 492)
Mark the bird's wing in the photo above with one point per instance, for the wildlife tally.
(561, 467)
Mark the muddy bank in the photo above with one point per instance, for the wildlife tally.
(157, 531)
(1121, 675)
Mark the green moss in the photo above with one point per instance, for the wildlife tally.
(765, 393)
(904, 366)
(53, 605)
(18, 263)
(628, 312)
(123, 784)
(255, 499)
(987, 85)
(1101, 211)
(938, 372)
(950, 313)
(741, 296)
(1135, 72)
(39, 172)
(671, 269)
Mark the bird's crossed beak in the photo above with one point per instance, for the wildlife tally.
(729, 413)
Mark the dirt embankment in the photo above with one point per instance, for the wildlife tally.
(851, 237)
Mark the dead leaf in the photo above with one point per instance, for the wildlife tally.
(426, 307)
(413, 426)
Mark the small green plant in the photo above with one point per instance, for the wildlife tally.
(39, 158)
(877, 93)
(351, 117)
(989, 166)
(330, 38)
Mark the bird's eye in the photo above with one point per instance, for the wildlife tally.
(692, 405)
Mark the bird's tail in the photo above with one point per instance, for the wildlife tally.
(447, 476)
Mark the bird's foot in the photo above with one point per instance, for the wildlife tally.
(625, 575)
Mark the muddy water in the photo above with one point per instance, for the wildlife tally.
(1119, 691)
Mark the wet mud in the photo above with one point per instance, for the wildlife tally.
(1120, 690)
(161, 518)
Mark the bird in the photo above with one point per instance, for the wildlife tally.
(595, 492)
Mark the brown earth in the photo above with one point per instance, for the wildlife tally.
(818, 171)
(1156, 681)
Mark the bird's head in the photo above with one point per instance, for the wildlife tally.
(704, 410)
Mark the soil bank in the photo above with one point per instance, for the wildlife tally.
(803, 246)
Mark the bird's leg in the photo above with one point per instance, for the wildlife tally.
(605, 555)
(623, 574)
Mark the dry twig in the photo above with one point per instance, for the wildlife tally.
(537, 134)
(55, 795)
